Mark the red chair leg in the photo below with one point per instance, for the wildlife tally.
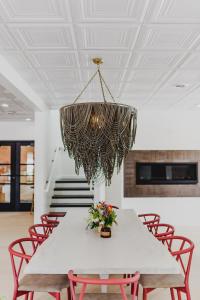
(15, 295)
(31, 295)
(58, 296)
(137, 291)
(179, 294)
(188, 297)
(172, 294)
(69, 294)
(26, 296)
(145, 294)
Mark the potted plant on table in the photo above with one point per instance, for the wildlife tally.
(102, 216)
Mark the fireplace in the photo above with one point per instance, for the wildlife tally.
(166, 173)
(162, 173)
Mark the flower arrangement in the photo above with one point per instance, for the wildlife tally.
(102, 216)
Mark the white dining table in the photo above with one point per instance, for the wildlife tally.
(131, 248)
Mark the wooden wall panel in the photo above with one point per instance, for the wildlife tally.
(179, 190)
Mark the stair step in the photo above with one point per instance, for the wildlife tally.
(72, 189)
(72, 185)
(72, 196)
(77, 193)
(70, 180)
(73, 200)
(70, 205)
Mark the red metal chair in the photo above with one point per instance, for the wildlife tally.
(51, 218)
(161, 230)
(121, 282)
(149, 219)
(41, 231)
(57, 214)
(21, 252)
(182, 249)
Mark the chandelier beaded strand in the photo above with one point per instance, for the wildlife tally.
(98, 135)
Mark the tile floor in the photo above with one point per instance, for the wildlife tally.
(15, 225)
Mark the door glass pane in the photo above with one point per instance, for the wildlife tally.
(26, 173)
(4, 193)
(27, 154)
(27, 170)
(5, 154)
(26, 193)
(27, 180)
(5, 172)
(4, 179)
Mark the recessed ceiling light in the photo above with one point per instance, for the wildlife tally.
(198, 105)
(11, 112)
(180, 85)
(28, 119)
(4, 105)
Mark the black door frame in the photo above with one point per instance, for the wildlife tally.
(15, 204)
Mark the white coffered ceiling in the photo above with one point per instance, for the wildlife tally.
(150, 48)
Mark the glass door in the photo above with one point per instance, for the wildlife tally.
(16, 175)
(6, 175)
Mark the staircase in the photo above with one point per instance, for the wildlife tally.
(71, 192)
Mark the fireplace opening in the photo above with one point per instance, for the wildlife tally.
(166, 173)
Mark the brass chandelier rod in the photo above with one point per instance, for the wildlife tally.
(103, 84)
(83, 90)
(107, 88)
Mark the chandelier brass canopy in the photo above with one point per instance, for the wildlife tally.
(98, 135)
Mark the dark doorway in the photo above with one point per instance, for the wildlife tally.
(16, 175)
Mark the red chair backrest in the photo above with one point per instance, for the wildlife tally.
(182, 249)
(41, 231)
(161, 230)
(21, 251)
(121, 282)
(58, 214)
(149, 219)
(50, 218)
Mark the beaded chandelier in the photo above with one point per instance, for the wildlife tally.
(98, 135)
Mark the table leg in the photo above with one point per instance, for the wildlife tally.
(104, 288)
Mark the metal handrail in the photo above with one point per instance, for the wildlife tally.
(52, 169)
(50, 178)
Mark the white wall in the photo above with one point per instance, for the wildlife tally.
(163, 131)
(66, 166)
(17, 130)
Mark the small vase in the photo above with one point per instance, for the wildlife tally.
(105, 232)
